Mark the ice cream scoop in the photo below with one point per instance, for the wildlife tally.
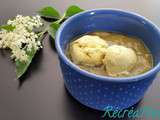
(119, 60)
(88, 50)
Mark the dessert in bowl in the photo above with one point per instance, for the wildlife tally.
(97, 90)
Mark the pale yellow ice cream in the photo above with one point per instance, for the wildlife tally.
(88, 50)
(119, 60)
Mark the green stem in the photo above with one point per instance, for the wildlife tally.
(44, 31)
(61, 19)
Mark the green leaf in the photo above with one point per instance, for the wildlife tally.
(52, 29)
(21, 67)
(49, 12)
(72, 10)
(7, 27)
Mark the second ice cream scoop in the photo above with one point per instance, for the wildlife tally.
(119, 60)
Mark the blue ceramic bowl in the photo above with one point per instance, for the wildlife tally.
(97, 91)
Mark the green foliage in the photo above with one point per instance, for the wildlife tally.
(72, 10)
(7, 27)
(53, 27)
(49, 12)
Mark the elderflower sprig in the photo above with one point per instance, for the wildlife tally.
(22, 38)
(19, 37)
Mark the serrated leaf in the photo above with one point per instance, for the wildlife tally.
(49, 12)
(7, 27)
(53, 29)
(21, 67)
(72, 10)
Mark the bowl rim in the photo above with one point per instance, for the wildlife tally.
(62, 55)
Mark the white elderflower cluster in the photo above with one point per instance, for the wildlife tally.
(22, 39)
(26, 21)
